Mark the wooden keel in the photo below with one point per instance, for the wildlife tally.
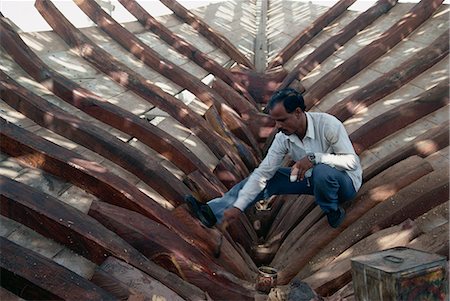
(79, 232)
(46, 276)
(396, 33)
(332, 44)
(213, 36)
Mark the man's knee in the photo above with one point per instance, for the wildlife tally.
(322, 174)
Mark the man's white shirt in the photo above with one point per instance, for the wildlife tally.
(325, 136)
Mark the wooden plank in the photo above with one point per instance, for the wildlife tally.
(213, 36)
(261, 38)
(186, 49)
(49, 277)
(373, 192)
(163, 247)
(38, 152)
(393, 80)
(8, 296)
(423, 145)
(98, 140)
(95, 106)
(310, 32)
(409, 203)
(399, 117)
(436, 241)
(138, 84)
(328, 47)
(231, 120)
(395, 34)
(80, 232)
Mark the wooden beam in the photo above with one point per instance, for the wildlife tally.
(99, 108)
(138, 84)
(40, 153)
(213, 36)
(26, 266)
(393, 80)
(336, 41)
(187, 49)
(80, 232)
(310, 32)
(261, 37)
(399, 117)
(92, 137)
(9, 296)
(320, 234)
(391, 37)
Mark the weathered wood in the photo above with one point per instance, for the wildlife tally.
(260, 48)
(163, 248)
(132, 279)
(335, 275)
(328, 47)
(393, 80)
(213, 36)
(138, 84)
(399, 117)
(423, 145)
(185, 48)
(115, 287)
(95, 106)
(40, 153)
(26, 266)
(8, 296)
(81, 233)
(171, 71)
(319, 235)
(306, 35)
(395, 34)
(94, 138)
(436, 241)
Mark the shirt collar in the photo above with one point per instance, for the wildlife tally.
(309, 130)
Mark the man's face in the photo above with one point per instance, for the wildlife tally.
(287, 123)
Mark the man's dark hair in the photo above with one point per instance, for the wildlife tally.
(291, 99)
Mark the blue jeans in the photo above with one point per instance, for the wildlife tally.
(329, 186)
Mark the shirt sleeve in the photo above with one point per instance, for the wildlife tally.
(343, 154)
(265, 171)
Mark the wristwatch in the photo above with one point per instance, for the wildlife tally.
(312, 158)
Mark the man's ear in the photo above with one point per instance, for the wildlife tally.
(298, 112)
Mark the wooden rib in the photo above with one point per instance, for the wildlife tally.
(393, 120)
(138, 84)
(423, 145)
(98, 140)
(213, 36)
(58, 281)
(40, 153)
(171, 71)
(97, 107)
(392, 80)
(395, 34)
(81, 233)
(319, 235)
(8, 296)
(306, 35)
(332, 44)
(184, 47)
(161, 246)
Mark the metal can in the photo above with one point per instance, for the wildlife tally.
(267, 279)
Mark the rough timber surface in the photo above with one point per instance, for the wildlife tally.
(377, 70)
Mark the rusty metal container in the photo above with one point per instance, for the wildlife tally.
(400, 274)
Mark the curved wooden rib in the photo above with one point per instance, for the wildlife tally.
(424, 145)
(171, 71)
(392, 80)
(372, 193)
(332, 44)
(98, 140)
(306, 35)
(213, 36)
(138, 84)
(157, 139)
(70, 227)
(47, 275)
(396, 33)
(40, 153)
(184, 47)
(7, 295)
(393, 120)
(176, 256)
